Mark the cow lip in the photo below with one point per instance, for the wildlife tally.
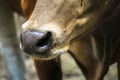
(51, 55)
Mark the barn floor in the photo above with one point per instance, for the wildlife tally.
(71, 71)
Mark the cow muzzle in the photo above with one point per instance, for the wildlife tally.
(36, 43)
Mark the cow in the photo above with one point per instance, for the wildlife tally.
(87, 29)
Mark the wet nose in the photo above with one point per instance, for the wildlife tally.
(36, 42)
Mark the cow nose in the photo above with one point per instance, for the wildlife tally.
(36, 42)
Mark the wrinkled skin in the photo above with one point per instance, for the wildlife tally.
(74, 25)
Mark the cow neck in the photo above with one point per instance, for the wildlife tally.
(48, 69)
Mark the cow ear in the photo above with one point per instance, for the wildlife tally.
(27, 7)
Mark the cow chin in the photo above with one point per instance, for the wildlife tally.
(44, 57)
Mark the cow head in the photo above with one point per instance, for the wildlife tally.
(54, 23)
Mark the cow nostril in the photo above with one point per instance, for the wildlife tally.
(45, 41)
(36, 42)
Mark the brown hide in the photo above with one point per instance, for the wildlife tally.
(49, 70)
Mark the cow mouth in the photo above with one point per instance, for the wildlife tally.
(50, 54)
